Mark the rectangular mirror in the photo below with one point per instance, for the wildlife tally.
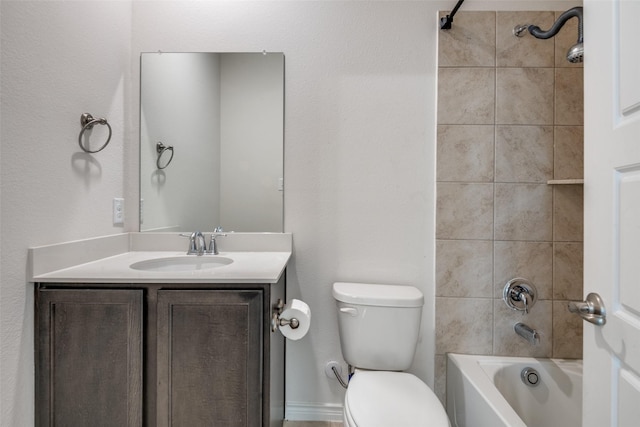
(211, 141)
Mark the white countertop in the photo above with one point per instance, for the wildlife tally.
(107, 260)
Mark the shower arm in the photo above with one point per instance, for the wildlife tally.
(446, 21)
(537, 32)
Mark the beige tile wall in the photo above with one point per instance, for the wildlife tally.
(509, 120)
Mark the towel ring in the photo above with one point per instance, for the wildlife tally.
(161, 149)
(87, 122)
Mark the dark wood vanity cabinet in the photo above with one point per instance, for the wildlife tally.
(89, 357)
(158, 356)
(209, 358)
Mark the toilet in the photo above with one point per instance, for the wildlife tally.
(379, 327)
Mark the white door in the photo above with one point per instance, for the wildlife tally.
(612, 211)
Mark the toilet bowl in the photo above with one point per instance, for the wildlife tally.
(391, 399)
(379, 328)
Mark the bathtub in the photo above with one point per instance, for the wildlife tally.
(487, 391)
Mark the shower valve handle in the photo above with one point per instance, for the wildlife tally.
(519, 294)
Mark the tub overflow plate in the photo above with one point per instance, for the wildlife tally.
(530, 377)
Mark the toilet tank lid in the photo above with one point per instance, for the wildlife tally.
(378, 295)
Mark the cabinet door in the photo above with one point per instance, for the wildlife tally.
(89, 357)
(209, 358)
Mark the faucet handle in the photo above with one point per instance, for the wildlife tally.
(526, 300)
(213, 246)
(519, 294)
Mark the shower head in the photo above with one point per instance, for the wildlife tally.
(576, 52)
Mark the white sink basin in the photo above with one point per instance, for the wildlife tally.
(182, 263)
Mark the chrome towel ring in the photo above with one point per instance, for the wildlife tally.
(161, 149)
(87, 122)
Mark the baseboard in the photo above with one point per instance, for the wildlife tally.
(300, 411)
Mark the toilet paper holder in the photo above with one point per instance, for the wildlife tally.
(277, 321)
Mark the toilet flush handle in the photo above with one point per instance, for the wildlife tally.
(351, 311)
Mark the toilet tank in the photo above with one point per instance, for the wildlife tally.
(379, 325)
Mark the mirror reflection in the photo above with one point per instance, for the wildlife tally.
(222, 116)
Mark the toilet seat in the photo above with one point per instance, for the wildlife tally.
(383, 399)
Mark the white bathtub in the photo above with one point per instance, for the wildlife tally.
(487, 391)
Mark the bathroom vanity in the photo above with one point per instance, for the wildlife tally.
(185, 346)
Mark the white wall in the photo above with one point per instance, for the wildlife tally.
(359, 149)
(59, 60)
(359, 154)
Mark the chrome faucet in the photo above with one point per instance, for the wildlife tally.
(531, 335)
(197, 243)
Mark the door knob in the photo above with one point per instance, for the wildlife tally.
(592, 309)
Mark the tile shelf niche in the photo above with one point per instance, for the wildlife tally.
(565, 181)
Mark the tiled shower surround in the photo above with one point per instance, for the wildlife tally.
(509, 120)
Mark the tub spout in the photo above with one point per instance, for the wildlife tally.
(531, 335)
